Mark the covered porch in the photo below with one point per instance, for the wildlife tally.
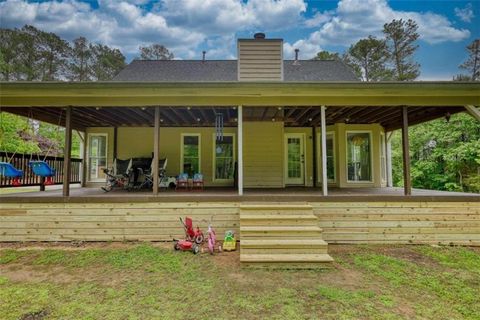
(261, 122)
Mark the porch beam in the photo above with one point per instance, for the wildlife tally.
(473, 111)
(240, 150)
(407, 183)
(156, 150)
(67, 151)
(324, 150)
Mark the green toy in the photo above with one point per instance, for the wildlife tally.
(229, 243)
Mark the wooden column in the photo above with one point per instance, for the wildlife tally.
(407, 183)
(156, 150)
(68, 151)
(84, 159)
(115, 142)
(314, 155)
(388, 157)
(324, 151)
(240, 150)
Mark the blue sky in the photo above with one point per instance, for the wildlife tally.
(189, 26)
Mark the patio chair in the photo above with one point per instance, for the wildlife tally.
(197, 182)
(118, 176)
(148, 175)
(182, 182)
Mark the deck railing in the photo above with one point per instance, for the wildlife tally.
(20, 161)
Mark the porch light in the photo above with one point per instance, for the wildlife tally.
(310, 119)
(189, 108)
(198, 119)
(279, 108)
(234, 108)
(97, 108)
(161, 120)
(144, 108)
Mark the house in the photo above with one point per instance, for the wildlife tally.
(272, 138)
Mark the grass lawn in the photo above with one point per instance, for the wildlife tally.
(150, 281)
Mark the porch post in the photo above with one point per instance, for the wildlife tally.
(324, 151)
(314, 155)
(407, 183)
(67, 152)
(156, 150)
(83, 150)
(388, 155)
(240, 150)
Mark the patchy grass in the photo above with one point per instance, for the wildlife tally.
(143, 281)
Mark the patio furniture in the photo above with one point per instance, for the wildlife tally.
(182, 182)
(197, 181)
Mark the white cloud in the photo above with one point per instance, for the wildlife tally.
(181, 25)
(356, 19)
(465, 14)
(318, 19)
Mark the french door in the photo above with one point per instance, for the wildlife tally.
(294, 159)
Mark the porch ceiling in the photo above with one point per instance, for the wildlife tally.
(84, 117)
(296, 103)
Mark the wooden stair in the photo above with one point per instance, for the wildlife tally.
(276, 235)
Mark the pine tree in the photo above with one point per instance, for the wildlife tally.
(472, 64)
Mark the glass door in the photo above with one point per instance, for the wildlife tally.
(97, 156)
(295, 159)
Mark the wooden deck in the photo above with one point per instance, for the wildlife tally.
(78, 194)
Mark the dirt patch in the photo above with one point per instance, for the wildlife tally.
(38, 315)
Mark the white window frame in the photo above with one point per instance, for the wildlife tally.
(214, 171)
(319, 156)
(199, 150)
(102, 134)
(383, 158)
(370, 135)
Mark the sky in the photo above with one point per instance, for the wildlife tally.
(187, 27)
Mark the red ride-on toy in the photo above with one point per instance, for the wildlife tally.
(186, 245)
(191, 234)
(194, 237)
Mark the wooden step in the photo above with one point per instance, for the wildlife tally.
(283, 246)
(285, 258)
(276, 206)
(284, 243)
(278, 219)
(279, 231)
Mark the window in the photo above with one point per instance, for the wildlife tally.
(190, 154)
(359, 156)
(224, 157)
(97, 156)
(330, 145)
(383, 162)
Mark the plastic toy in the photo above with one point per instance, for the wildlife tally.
(212, 239)
(229, 242)
(186, 245)
(191, 234)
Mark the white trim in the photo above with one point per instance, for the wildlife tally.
(383, 149)
(240, 149)
(199, 150)
(323, 129)
(319, 156)
(90, 134)
(214, 152)
(370, 135)
(285, 155)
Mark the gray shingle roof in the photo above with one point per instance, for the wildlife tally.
(226, 70)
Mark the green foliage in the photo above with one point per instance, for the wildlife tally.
(369, 58)
(444, 155)
(155, 52)
(400, 37)
(472, 64)
(327, 55)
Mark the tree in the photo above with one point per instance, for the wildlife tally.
(401, 36)
(53, 52)
(9, 48)
(461, 77)
(472, 64)
(326, 55)
(80, 60)
(369, 58)
(155, 52)
(107, 62)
